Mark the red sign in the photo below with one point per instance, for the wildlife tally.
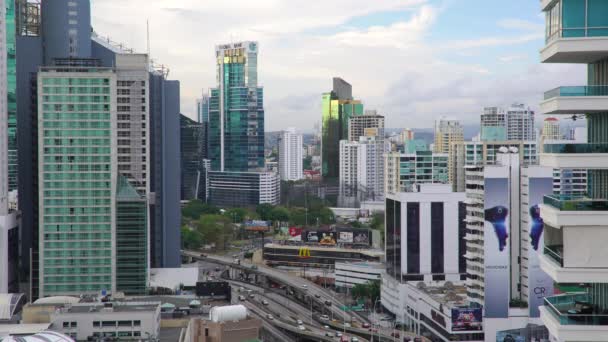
(293, 231)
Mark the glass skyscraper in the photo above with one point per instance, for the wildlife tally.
(236, 110)
(11, 88)
(338, 107)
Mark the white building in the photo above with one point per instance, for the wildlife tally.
(349, 274)
(504, 239)
(291, 155)
(362, 168)
(358, 124)
(124, 320)
(513, 123)
(551, 129)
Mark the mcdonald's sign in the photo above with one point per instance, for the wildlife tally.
(304, 252)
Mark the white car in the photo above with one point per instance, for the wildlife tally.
(325, 317)
(338, 334)
(270, 317)
(354, 339)
(299, 322)
(265, 302)
(304, 286)
(301, 327)
(346, 324)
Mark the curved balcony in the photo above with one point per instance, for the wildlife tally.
(576, 100)
(572, 156)
(572, 317)
(576, 46)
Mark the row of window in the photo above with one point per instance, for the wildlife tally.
(76, 81)
(77, 142)
(76, 287)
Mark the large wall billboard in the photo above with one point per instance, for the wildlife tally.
(496, 247)
(467, 319)
(341, 236)
(540, 285)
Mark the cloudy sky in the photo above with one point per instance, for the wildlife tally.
(412, 60)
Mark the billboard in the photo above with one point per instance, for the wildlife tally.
(294, 231)
(540, 285)
(467, 319)
(362, 237)
(496, 247)
(257, 226)
(345, 237)
(322, 238)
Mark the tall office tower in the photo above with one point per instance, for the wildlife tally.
(358, 124)
(447, 132)
(513, 123)
(66, 27)
(9, 234)
(576, 228)
(191, 151)
(202, 114)
(78, 178)
(504, 240)
(338, 107)
(551, 129)
(403, 171)
(291, 157)
(11, 88)
(165, 188)
(236, 110)
(480, 153)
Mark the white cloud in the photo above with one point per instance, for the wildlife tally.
(304, 43)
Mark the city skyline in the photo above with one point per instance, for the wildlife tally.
(457, 72)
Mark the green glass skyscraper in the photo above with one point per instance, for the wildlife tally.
(11, 88)
(236, 110)
(338, 107)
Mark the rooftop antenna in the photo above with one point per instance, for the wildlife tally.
(148, 37)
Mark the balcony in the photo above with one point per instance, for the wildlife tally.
(572, 317)
(572, 156)
(567, 211)
(576, 100)
(575, 46)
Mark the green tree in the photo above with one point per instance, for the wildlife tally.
(377, 221)
(307, 163)
(265, 211)
(195, 208)
(216, 229)
(280, 214)
(191, 239)
(369, 291)
(239, 215)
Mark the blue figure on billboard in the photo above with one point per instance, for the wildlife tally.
(536, 230)
(497, 216)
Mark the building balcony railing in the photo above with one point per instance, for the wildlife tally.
(575, 309)
(575, 148)
(574, 203)
(598, 90)
(556, 253)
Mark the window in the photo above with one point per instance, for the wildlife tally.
(66, 324)
(108, 324)
(137, 323)
(73, 22)
(96, 324)
(125, 323)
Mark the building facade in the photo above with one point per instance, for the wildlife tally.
(357, 125)
(291, 158)
(447, 132)
(551, 129)
(513, 123)
(403, 171)
(575, 227)
(236, 110)
(191, 151)
(349, 274)
(243, 189)
(338, 107)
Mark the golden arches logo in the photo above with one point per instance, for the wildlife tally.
(304, 252)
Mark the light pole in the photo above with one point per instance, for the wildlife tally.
(373, 316)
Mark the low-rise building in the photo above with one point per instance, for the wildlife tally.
(122, 320)
(243, 189)
(349, 274)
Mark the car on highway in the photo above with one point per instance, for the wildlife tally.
(252, 296)
(366, 325)
(304, 286)
(338, 334)
(417, 339)
(317, 295)
(241, 289)
(299, 322)
(269, 316)
(324, 317)
(217, 269)
(241, 298)
(254, 267)
(265, 302)
(346, 324)
(301, 327)
(327, 303)
(326, 327)
(203, 255)
(354, 339)
(395, 334)
(344, 339)
(329, 334)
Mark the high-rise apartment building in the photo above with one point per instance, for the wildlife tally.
(447, 132)
(513, 123)
(504, 241)
(405, 170)
(291, 155)
(338, 107)
(551, 129)
(575, 226)
(361, 169)
(11, 89)
(471, 153)
(236, 110)
(358, 124)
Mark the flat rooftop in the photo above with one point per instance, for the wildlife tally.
(116, 307)
(447, 293)
(366, 251)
